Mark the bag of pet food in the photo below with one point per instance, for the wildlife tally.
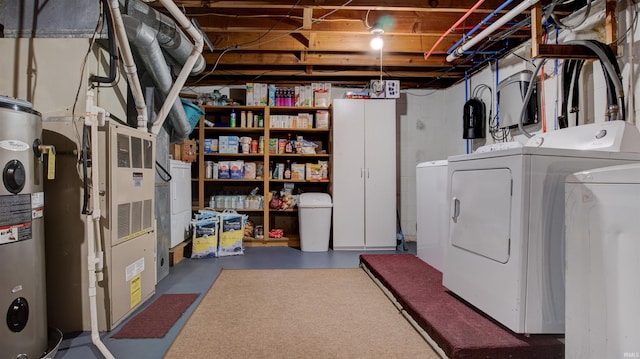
(231, 233)
(205, 236)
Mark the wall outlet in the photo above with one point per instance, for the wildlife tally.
(392, 89)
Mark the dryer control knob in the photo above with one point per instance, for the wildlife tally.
(14, 176)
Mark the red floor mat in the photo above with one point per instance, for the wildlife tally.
(156, 320)
(460, 330)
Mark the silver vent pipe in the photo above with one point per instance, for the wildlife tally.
(172, 40)
(144, 40)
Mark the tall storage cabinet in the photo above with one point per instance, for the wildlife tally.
(364, 174)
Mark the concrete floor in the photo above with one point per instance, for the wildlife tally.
(197, 276)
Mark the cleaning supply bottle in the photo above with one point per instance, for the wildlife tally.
(232, 118)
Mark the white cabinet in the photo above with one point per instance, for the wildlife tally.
(364, 174)
(180, 201)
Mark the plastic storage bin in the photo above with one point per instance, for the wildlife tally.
(314, 215)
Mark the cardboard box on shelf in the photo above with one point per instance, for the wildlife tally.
(189, 150)
(176, 151)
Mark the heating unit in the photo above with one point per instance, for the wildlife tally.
(127, 225)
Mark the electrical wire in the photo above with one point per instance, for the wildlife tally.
(572, 27)
(238, 47)
(632, 26)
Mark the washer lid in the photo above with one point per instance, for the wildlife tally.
(629, 174)
(432, 163)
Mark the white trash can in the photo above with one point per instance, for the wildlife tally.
(314, 216)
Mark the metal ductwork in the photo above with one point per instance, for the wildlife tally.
(171, 39)
(147, 48)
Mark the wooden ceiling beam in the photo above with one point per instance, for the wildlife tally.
(459, 6)
(341, 74)
(323, 59)
(319, 41)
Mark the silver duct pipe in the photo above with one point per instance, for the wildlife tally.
(170, 37)
(143, 38)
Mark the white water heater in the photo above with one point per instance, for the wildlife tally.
(127, 224)
(23, 327)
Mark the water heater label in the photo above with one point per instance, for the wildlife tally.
(37, 205)
(14, 145)
(15, 218)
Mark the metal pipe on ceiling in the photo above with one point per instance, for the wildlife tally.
(484, 21)
(496, 25)
(464, 17)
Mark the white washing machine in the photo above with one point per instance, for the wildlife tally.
(431, 213)
(505, 254)
(602, 266)
(180, 201)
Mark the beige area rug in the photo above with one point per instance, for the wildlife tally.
(297, 313)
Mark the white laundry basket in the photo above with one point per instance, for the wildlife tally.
(314, 215)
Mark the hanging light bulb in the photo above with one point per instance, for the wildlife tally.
(376, 42)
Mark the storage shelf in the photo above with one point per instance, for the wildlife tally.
(237, 209)
(298, 181)
(235, 129)
(291, 241)
(289, 210)
(234, 155)
(306, 155)
(238, 180)
(280, 109)
(268, 218)
(303, 130)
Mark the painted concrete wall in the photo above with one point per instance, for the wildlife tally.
(47, 72)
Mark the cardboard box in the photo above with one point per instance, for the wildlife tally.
(298, 171)
(249, 96)
(189, 150)
(176, 151)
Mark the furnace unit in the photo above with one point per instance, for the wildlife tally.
(127, 224)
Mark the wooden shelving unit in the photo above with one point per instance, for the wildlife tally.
(203, 188)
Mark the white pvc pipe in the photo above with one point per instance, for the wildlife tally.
(188, 65)
(92, 221)
(486, 32)
(129, 65)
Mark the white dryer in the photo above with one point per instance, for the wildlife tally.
(602, 266)
(505, 254)
(431, 214)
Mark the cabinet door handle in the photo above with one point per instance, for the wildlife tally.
(455, 207)
(362, 173)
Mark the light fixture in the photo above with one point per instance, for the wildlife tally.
(376, 42)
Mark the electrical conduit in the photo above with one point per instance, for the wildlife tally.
(466, 15)
(496, 25)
